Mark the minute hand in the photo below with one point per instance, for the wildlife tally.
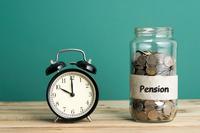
(72, 89)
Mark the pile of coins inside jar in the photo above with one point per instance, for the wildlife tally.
(152, 64)
(153, 110)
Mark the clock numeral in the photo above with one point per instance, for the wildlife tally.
(87, 102)
(57, 86)
(72, 111)
(72, 77)
(90, 94)
(80, 79)
(57, 103)
(53, 95)
(81, 109)
(87, 85)
(64, 109)
(63, 80)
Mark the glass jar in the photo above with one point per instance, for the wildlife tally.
(153, 78)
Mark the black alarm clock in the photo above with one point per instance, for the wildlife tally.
(72, 94)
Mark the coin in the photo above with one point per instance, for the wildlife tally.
(160, 58)
(153, 110)
(159, 105)
(141, 60)
(148, 109)
(151, 71)
(168, 61)
(136, 56)
(153, 115)
(141, 116)
(140, 72)
(148, 103)
(161, 68)
(173, 113)
(139, 107)
(167, 108)
(147, 53)
(152, 63)
(138, 66)
(143, 52)
(174, 102)
(160, 116)
(152, 60)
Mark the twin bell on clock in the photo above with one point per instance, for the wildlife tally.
(72, 93)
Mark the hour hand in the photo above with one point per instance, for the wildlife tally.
(66, 91)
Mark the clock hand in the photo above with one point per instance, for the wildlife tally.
(66, 91)
(72, 89)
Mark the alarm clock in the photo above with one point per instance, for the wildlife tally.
(72, 94)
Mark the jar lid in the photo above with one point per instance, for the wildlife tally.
(158, 31)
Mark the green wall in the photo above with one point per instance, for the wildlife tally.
(32, 31)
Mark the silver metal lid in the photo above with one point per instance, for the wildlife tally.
(157, 31)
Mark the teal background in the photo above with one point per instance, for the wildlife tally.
(32, 31)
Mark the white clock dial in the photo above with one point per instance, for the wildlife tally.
(71, 95)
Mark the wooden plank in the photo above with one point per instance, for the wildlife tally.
(110, 116)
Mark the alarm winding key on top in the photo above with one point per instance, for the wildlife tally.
(72, 94)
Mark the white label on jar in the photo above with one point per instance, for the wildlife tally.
(154, 87)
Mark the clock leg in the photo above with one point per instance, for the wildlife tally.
(89, 119)
(57, 118)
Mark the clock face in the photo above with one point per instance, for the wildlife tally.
(72, 94)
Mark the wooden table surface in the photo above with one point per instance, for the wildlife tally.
(110, 116)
